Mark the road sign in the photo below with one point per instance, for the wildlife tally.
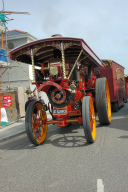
(7, 101)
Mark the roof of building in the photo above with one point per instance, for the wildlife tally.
(17, 33)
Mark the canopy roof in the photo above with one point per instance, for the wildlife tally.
(44, 50)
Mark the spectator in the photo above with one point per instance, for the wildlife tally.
(30, 99)
(35, 97)
(41, 100)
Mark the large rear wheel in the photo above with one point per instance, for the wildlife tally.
(89, 122)
(35, 129)
(103, 101)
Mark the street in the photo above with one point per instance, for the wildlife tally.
(65, 162)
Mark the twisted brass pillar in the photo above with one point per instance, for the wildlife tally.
(33, 66)
(24, 71)
(63, 61)
(75, 64)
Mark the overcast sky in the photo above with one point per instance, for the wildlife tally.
(103, 24)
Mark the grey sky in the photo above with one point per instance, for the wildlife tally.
(103, 24)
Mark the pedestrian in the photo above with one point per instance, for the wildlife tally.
(41, 100)
(30, 99)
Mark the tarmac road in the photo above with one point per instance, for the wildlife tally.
(65, 162)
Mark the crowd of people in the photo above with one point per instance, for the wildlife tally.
(32, 98)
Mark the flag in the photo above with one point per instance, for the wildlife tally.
(3, 59)
(2, 23)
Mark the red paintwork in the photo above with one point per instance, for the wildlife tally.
(48, 54)
(126, 86)
(89, 94)
(65, 83)
(63, 122)
(46, 86)
(115, 76)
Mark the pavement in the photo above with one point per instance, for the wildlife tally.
(14, 129)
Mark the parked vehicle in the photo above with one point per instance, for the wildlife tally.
(126, 87)
(67, 76)
(116, 81)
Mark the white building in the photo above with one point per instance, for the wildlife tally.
(13, 76)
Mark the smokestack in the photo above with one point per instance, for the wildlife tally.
(56, 35)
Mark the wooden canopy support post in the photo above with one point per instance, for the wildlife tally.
(75, 64)
(33, 66)
(83, 58)
(63, 61)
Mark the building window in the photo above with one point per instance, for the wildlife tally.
(10, 46)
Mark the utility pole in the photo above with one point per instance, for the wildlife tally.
(1, 74)
(1, 82)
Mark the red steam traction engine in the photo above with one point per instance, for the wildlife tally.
(66, 74)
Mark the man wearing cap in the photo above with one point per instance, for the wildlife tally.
(30, 99)
(41, 100)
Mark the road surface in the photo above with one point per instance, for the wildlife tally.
(66, 162)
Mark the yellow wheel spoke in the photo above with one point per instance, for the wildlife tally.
(108, 103)
(92, 119)
(39, 129)
(35, 128)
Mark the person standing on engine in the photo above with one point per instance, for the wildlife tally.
(35, 96)
(41, 100)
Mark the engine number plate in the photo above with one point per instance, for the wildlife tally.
(56, 111)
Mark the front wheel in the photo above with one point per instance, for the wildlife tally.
(35, 129)
(89, 122)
